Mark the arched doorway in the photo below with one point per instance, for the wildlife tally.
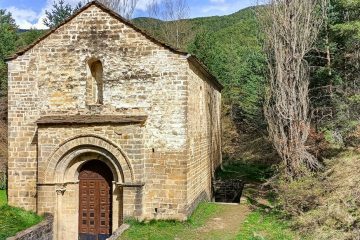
(95, 201)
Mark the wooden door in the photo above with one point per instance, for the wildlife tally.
(95, 201)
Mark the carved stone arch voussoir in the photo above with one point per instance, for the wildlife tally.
(59, 161)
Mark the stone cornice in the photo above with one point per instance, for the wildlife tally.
(91, 119)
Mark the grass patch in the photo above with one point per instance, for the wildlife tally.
(260, 225)
(203, 213)
(249, 172)
(13, 220)
(154, 230)
(164, 230)
(3, 199)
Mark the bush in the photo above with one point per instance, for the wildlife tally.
(299, 196)
(325, 206)
(353, 138)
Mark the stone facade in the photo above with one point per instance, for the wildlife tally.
(156, 123)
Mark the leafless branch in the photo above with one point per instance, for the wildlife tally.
(290, 30)
(125, 8)
(174, 13)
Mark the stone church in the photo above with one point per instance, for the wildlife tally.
(105, 123)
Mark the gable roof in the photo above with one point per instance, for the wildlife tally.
(193, 59)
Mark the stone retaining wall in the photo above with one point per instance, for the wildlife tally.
(119, 232)
(228, 191)
(41, 231)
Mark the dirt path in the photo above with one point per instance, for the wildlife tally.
(224, 226)
(227, 224)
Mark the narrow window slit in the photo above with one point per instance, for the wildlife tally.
(95, 85)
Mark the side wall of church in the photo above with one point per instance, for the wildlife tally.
(204, 127)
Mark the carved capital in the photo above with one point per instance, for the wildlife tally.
(60, 189)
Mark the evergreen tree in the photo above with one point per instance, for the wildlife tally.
(234, 55)
(28, 37)
(59, 13)
(335, 81)
(8, 38)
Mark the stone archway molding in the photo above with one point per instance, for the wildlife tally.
(59, 161)
(68, 168)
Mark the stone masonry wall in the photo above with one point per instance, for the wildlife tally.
(140, 78)
(166, 172)
(130, 138)
(204, 137)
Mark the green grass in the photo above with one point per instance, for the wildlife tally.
(13, 220)
(2, 197)
(260, 225)
(165, 230)
(203, 213)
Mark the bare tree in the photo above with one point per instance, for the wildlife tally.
(125, 8)
(290, 30)
(175, 13)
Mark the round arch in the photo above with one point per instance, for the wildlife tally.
(64, 163)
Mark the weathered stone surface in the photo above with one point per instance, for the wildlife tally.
(162, 165)
(90, 119)
(119, 232)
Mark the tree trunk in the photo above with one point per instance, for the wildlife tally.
(290, 29)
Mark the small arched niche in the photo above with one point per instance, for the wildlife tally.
(95, 84)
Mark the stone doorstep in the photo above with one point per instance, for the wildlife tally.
(119, 232)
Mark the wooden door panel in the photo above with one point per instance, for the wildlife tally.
(94, 204)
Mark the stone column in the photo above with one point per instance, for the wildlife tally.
(60, 190)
